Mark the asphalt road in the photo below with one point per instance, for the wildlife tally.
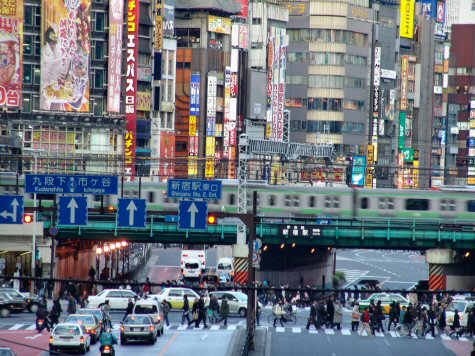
(394, 269)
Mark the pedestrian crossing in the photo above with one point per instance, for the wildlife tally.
(348, 332)
(352, 275)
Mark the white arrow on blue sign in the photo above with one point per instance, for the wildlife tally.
(193, 215)
(72, 210)
(132, 213)
(11, 209)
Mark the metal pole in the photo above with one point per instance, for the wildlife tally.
(251, 275)
(51, 272)
(33, 253)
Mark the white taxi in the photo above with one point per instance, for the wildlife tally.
(69, 337)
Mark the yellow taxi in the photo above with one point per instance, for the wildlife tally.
(90, 322)
(174, 296)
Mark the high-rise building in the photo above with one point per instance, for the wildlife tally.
(328, 73)
(459, 12)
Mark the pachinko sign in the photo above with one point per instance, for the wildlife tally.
(11, 38)
(66, 27)
(131, 66)
(116, 14)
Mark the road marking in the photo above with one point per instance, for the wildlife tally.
(182, 327)
(204, 337)
(169, 343)
(214, 327)
(31, 327)
(167, 327)
(329, 340)
(463, 339)
(32, 337)
(313, 331)
(393, 334)
(280, 329)
(345, 332)
(379, 334)
(232, 327)
(296, 330)
(429, 337)
(445, 337)
(329, 332)
(387, 342)
(16, 327)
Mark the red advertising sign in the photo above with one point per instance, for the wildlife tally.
(244, 8)
(11, 36)
(116, 14)
(133, 14)
(167, 155)
(234, 85)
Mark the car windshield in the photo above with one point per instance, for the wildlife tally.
(83, 319)
(459, 305)
(241, 296)
(6, 296)
(95, 312)
(191, 265)
(225, 266)
(102, 293)
(14, 293)
(137, 320)
(5, 352)
(145, 309)
(67, 330)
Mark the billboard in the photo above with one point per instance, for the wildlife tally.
(219, 24)
(133, 15)
(116, 14)
(11, 49)
(211, 104)
(406, 28)
(194, 117)
(402, 129)
(167, 154)
(169, 18)
(404, 79)
(159, 7)
(65, 51)
(358, 171)
(227, 106)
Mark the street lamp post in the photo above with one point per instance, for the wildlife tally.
(98, 261)
(107, 255)
(33, 253)
(112, 248)
(117, 247)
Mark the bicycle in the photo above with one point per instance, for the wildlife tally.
(288, 320)
(416, 328)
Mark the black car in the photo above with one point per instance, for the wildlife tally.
(32, 303)
(10, 305)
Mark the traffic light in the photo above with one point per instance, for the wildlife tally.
(27, 218)
(212, 219)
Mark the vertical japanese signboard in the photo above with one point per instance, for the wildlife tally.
(402, 129)
(159, 24)
(193, 124)
(359, 171)
(133, 13)
(227, 100)
(169, 18)
(167, 155)
(404, 81)
(370, 168)
(211, 104)
(406, 28)
(116, 15)
(65, 51)
(11, 53)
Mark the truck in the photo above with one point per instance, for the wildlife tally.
(199, 255)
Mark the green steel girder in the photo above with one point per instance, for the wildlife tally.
(355, 233)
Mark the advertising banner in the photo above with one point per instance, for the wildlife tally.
(244, 8)
(400, 171)
(144, 101)
(133, 15)
(219, 24)
(209, 168)
(169, 18)
(402, 129)
(11, 53)
(194, 116)
(243, 40)
(234, 85)
(159, 24)
(65, 51)
(406, 29)
(211, 104)
(116, 15)
(227, 105)
(404, 69)
(359, 170)
(167, 155)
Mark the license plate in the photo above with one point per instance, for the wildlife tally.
(106, 351)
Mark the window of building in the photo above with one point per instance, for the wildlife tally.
(27, 73)
(171, 61)
(99, 50)
(37, 75)
(188, 37)
(100, 21)
(28, 44)
(99, 79)
(417, 204)
(256, 20)
(26, 107)
(29, 15)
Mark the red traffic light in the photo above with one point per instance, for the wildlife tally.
(27, 218)
(212, 220)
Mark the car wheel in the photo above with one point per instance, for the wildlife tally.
(152, 340)
(83, 351)
(33, 308)
(123, 340)
(4, 312)
(242, 312)
(88, 348)
(52, 352)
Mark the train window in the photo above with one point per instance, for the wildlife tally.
(364, 203)
(386, 203)
(390, 203)
(471, 206)
(231, 199)
(296, 200)
(447, 205)
(312, 201)
(287, 200)
(271, 200)
(332, 202)
(417, 204)
(151, 197)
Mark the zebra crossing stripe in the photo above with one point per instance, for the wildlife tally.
(345, 332)
(393, 334)
(214, 327)
(182, 327)
(296, 330)
(280, 329)
(463, 339)
(313, 331)
(16, 327)
(379, 334)
(232, 327)
(329, 331)
(445, 337)
(31, 327)
(429, 337)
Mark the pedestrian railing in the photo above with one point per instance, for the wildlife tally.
(249, 341)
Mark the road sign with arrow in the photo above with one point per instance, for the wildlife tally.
(132, 213)
(193, 215)
(72, 210)
(11, 209)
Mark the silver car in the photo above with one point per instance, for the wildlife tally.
(138, 327)
(237, 301)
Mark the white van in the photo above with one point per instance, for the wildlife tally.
(153, 309)
(191, 268)
(200, 255)
(463, 305)
(225, 265)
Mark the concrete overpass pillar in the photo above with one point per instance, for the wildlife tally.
(450, 269)
(437, 258)
(240, 253)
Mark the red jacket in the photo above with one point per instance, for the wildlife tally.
(366, 316)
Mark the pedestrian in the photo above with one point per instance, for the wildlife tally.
(56, 311)
(147, 287)
(379, 316)
(330, 312)
(224, 311)
(129, 309)
(49, 288)
(432, 319)
(92, 273)
(106, 308)
(392, 316)
(40, 285)
(258, 314)
(442, 322)
(278, 313)
(186, 310)
(365, 319)
(321, 314)
(72, 305)
(195, 313)
(471, 322)
(356, 294)
(355, 317)
(312, 319)
(455, 324)
(407, 320)
(84, 301)
(213, 310)
(338, 315)
(165, 309)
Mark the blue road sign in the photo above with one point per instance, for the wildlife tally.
(71, 184)
(11, 209)
(132, 213)
(72, 210)
(193, 215)
(194, 189)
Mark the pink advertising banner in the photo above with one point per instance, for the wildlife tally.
(116, 14)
